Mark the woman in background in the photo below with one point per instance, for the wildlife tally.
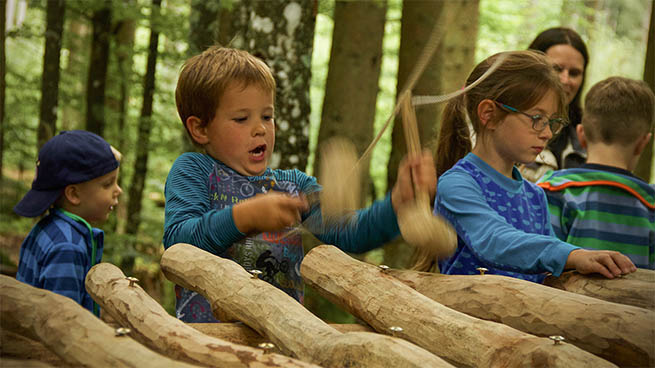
(565, 49)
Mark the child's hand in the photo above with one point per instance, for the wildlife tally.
(268, 212)
(419, 172)
(607, 263)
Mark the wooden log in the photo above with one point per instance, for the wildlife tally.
(239, 333)
(383, 301)
(21, 348)
(21, 363)
(70, 331)
(622, 334)
(624, 290)
(232, 291)
(151, 325)
(641, 274)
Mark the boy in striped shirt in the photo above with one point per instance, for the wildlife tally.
(76, 180)
(602, 205)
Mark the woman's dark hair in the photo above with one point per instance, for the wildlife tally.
(564, 36)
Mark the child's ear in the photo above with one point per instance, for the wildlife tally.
(642, 143)
(486, 112)
(197, 129)
(579, 129)
(71, 193)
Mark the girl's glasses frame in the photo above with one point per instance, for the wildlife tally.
(539, 122)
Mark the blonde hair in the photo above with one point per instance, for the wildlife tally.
(520, 81)
(205, 77)
(618, 110)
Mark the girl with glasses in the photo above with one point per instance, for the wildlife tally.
(502, 220)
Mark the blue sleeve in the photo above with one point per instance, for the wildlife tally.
(368, 229)
(64, 270)
(188, 216)
(491, 237)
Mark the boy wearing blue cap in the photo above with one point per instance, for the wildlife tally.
(77, 179)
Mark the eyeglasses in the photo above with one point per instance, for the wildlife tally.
(540, 122)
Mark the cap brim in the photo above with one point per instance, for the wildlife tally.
(36, 202)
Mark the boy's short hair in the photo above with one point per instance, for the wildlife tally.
(618, 110)
(205, 77)
(71, 157)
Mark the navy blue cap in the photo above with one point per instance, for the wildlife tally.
(71, 157)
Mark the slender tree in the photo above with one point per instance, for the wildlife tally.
(98, 66)
(644, 167)
(75, 72)
(351, 88)
(3, 82)
(51, 71)
(282, 34)
(418, 20)
(145, 126)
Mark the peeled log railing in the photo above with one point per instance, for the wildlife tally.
(234, 293)
(382, 301)
(632, 290)
(151, 325)
(70, 331)
(622, 334)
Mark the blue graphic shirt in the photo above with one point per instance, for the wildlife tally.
(502, 224)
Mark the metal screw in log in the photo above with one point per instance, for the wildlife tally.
(557, 340)
(384, 268)
(482, 270)
(267, 347)
(122, 331)
(132, 280)
(395, 329)
(255, 273)
(418, 225)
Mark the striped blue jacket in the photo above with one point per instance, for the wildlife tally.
(606, 210)
(56, 256)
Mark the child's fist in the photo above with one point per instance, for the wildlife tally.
(272, 211)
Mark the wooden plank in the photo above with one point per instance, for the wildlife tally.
(383, 302)
(233, 292)
(622, 334)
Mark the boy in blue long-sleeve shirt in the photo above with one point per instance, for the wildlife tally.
(77, 180)
(229, 202)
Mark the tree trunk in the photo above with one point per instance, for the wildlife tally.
(70, 331)
(282, 34)
(3, 81)
(20, 347)
(50, 81)
(586, 322)
(352, 82)
(626, 290)
(99, 62)
(645, 164)
(73, 76)
(384, 301)
(418, 21)
(145, 126)
(132, 307)
(273, 313)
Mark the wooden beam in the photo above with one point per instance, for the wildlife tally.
(70, 331)
(383, 301)
(631, 290)
(233, 292)
(622, 334)
(151, 325)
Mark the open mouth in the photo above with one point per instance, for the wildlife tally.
(259, 150)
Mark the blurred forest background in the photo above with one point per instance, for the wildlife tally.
(110, 66)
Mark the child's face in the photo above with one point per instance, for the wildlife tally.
(98, 197)
(242, 133)
(514, 138)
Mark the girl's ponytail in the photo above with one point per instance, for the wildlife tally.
(454, 140)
